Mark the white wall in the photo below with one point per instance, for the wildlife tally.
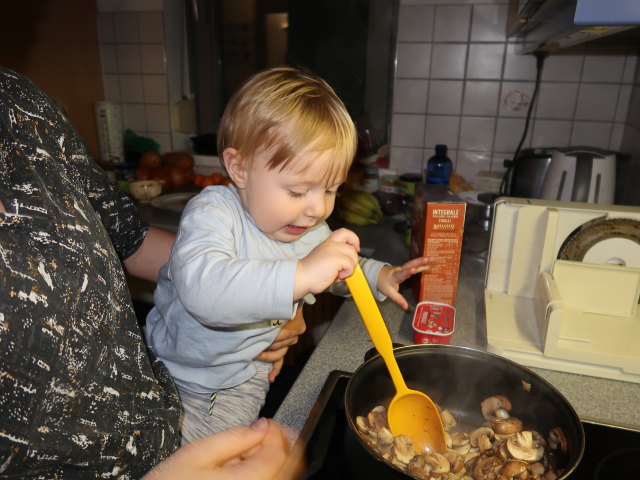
(461, 82)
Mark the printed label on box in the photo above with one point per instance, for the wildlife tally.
(439, 235)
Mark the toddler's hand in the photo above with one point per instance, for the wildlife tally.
(335, 258)
(390, 278)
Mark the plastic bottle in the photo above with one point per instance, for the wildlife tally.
(439, 166)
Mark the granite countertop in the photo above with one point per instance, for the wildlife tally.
(346, 341)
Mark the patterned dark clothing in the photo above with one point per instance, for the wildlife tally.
(80, 397)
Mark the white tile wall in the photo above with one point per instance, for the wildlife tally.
(459, 81)
(135, 71)
(478, 89)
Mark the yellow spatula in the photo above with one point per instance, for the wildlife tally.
(411, 412)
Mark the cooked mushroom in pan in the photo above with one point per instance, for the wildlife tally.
(500, 449)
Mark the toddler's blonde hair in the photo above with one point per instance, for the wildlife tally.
(287, 111)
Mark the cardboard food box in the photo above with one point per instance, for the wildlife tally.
(438, 227)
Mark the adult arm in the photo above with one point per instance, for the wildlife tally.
(152, 254)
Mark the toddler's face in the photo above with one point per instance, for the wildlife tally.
(285, 204)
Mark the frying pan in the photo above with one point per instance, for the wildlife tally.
(459, 378)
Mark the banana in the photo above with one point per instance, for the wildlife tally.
(355, 219)
(357, 208)
(363, 200)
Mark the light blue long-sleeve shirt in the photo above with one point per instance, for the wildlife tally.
(225, 273)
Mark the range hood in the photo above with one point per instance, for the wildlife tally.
(550, 25)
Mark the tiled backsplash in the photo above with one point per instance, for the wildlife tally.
(132, 45)
(461, 82)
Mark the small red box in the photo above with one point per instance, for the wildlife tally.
(433, 322)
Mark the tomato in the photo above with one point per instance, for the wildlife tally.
(162, 175)
(143, 173)
(216, 178)
(207, 181)
(150, 159)
(190, 175)
(178, 159)
(177, 176)
(198, 179)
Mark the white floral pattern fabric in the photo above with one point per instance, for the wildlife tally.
(80, 396)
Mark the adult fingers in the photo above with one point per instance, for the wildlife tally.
(204, 459)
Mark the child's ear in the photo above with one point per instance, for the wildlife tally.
(235, 166)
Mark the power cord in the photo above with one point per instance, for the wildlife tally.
(506, 185)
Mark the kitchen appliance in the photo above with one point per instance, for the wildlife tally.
(459, 379)
(562, 287)
(554, 24)
(333, 453)
(580, 174)
(528, 173)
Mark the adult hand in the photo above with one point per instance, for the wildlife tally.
(258, 452)
(390, 278)
(287, 336)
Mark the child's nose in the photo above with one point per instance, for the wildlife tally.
(316, 207)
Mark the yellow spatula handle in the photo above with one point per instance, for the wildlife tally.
(376, 327)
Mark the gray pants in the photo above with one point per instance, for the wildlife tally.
(232, 407)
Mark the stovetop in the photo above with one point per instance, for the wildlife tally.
(333, 452)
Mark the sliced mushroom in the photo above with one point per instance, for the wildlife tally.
(537, 468)
(416, 466)
(522, 447)
(486, 467)
(468, 457)
(506, 426)
(385, 437)
(557, 439)
(438, 463)
(515, 469)
(481, 438)
(403, 449)
(364, 427)
(448, 422)
(447, 440)
(494, 406)
(550, 475)
(456, 461)
(460, 442)
(501, 451)
(378, 418)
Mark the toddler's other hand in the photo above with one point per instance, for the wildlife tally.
(390, 278)
(335, 258)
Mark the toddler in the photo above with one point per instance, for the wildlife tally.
(247, 255)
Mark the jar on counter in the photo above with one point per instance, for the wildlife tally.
(408, 182)
(390, 184)
(371, 181)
